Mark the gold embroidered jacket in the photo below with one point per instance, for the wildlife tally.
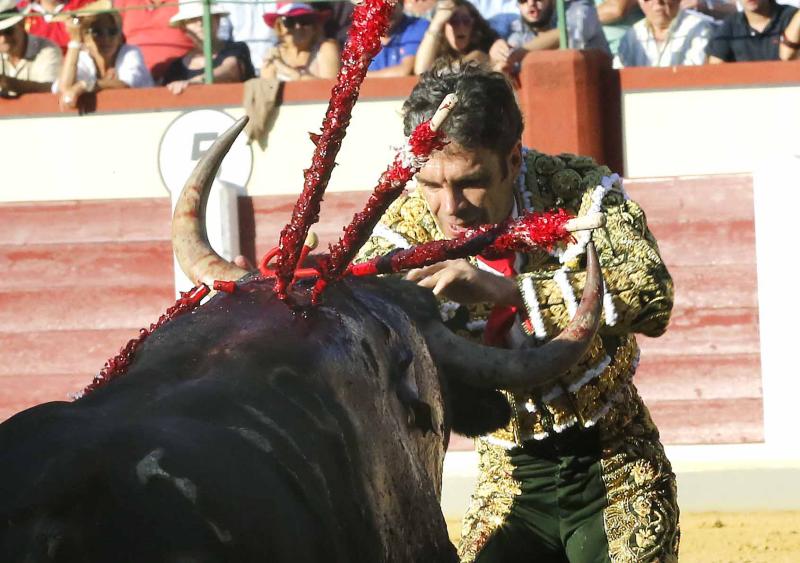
(638, 297)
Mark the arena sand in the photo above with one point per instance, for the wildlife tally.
(731, 537)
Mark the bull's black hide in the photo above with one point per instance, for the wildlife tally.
(244, 432)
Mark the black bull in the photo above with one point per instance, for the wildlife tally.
(247, 431)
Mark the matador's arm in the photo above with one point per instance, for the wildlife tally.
(639, 291)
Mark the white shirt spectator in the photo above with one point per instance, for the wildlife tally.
(129, 65)
(41, 62)
(245, 23)
(686, 44)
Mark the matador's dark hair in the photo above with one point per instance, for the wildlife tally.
(486, 115)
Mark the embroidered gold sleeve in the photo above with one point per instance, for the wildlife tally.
(637, 282)
(407, 220)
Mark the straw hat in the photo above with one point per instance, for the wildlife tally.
(90, 9)
(192, 10)
(290, 9)
(7, 10)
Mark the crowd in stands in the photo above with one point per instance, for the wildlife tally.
(75, 47)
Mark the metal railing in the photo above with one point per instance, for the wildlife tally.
(208, 71)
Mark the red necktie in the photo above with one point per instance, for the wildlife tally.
(502, 317)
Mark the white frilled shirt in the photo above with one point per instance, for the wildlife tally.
(686, 43)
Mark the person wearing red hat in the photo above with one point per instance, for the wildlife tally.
(302, 52)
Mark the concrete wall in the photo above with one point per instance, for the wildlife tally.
(726, 119)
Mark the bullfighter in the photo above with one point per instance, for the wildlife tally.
(578, 473)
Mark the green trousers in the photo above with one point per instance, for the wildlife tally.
(558, 516)
(604, 493)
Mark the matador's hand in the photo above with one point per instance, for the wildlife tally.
(460, 281)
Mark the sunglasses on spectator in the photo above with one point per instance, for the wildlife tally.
(461, 19)
(293, 22)
(108, 32)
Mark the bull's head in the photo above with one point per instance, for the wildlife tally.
(251, 431)
(469, 367)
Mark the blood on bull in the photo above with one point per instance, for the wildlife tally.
(251, 430)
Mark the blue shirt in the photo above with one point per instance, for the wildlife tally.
(404, 41)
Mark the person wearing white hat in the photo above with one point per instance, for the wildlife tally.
(303, 52)
(231, 59)
(27, 63)
(245, 22)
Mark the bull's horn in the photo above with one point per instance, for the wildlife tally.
(190, 243)
(487, 367)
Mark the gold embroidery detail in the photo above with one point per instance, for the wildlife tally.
(641, 519)
(491, 501)
(587, 403)
(635, 276)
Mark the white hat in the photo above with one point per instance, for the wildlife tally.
(192, 10)
(7, 10)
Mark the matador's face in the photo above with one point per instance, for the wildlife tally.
(469, 187)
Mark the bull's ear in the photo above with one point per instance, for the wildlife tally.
(475, 412)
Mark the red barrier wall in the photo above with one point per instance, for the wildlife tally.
(82, 278)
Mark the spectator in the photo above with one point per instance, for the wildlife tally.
(617, 17)
(668, 36)
(467, 36)
(419, 8)
(717, 9)
(44, 22)
(339, 17)
(751, 35)
(399, 51)
(27, 63)
(99, 59)
(303, 52)
(230, 59)
(245, 23)
(536, 28)
(790, 40)
(499, 14)
(145, 23)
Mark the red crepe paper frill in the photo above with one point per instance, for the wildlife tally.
(370, 23)
(530, 232)
(424, 140)
(533, 230)
(421, 143)
(119, 364)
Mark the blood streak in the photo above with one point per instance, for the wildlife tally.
(119, 364)
(370, 23)
(421, 143)
(532, 231)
